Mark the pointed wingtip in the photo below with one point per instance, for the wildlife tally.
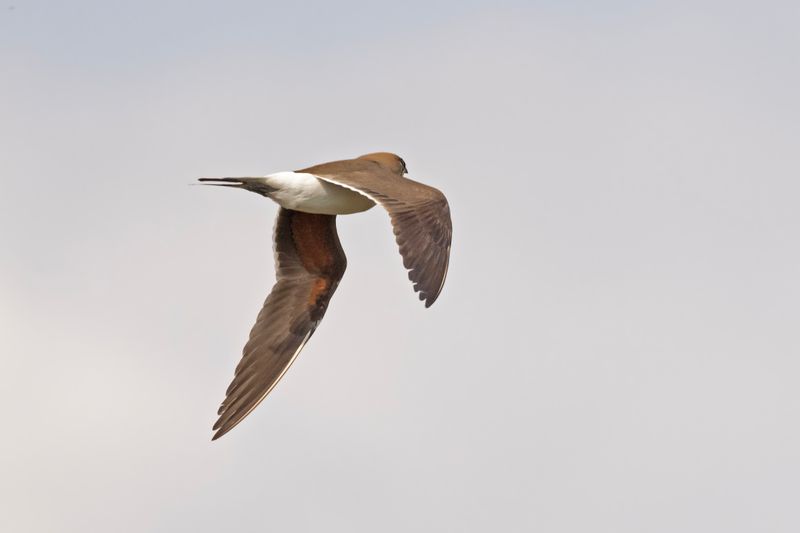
(219, 433)
(427, 298)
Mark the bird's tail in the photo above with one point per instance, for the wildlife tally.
(257, 185)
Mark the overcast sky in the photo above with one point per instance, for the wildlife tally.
(616, 348)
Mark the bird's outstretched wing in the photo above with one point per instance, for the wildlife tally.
(309, 262)
(420, 217)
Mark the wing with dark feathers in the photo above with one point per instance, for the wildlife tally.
(420, 217)
(309, 262)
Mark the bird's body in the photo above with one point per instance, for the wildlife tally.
(310, 261)
(301, 191)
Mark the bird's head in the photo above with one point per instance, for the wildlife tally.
(391, 162)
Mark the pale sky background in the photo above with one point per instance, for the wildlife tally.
(617, 347)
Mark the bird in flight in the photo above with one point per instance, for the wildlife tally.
(309, 260)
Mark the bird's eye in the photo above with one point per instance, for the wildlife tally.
(403, 164)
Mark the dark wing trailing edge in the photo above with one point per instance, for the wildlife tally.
(420, 216)
(309, 262)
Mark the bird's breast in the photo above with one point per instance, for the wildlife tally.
(301, 191)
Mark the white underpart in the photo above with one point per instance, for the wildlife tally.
(305, 192)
